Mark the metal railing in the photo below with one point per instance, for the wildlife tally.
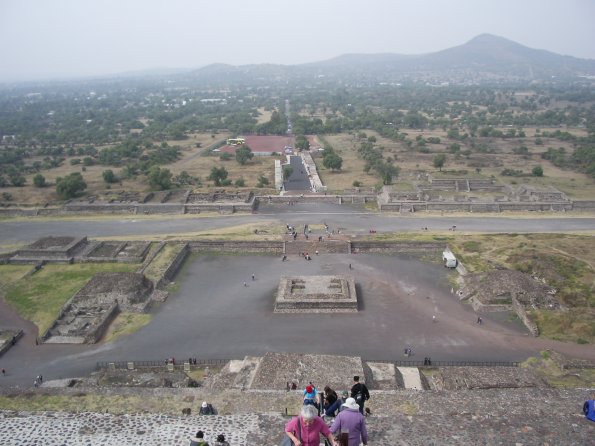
(428, 362)
(178, 364)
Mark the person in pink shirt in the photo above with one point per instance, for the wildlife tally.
(311, 427)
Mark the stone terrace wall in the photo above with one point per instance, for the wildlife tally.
(521, 312)
(371, 246)
(174, 266)
(237, 246)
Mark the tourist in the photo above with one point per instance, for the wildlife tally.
(330, 396)
(311, 396)
(351, 423)
(3, 372)
(360, 393)
(207, 409)
(199, 440)
(253, 277)
(305, 429)
(589, 409)
(332, 409)
(221, 441)
(245, 284)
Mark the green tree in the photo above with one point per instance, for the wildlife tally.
(302, 143)
(262, 181)
(109, 176)
(332, 161)
(240, 182)
(243, 155)
(159, 178)
(439, 160)
(217, 175)
(387, 172)
(70, 186)
(537, 171)
(18, 180)
(287, 171)
(39, 180)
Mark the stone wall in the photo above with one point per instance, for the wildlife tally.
(521, 312)
(174, 266)
(62, 250)
(237, 246)
(372, 246)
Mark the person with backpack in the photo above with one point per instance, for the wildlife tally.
(359, 392)
(207, 409)
(199, 439)
(311, 396)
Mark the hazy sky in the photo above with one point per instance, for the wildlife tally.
(42, 39)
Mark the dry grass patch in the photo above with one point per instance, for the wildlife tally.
(83, 402)
(162, 261)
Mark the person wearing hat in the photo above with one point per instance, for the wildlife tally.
(352, 422)
(207, 409)
(221, 441)
(199, 439)
(331, 410)
(311, 396)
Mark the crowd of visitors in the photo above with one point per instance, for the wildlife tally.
(348, 427)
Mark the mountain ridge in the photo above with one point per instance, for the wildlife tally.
(485, 56)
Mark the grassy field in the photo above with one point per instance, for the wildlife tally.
(548, 367)
(125, 324)
(566, 262)
(10, 274)
(39, 297)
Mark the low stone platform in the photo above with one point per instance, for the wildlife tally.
(316, 294)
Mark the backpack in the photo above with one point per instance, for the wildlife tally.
(589, 409)
(359, 397)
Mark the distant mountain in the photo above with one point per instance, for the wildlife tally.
(483, 58)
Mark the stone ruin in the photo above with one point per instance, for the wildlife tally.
(52, 249)
(508, 290)
(316, 294)
(495, 290)
(274, 370)
(89, 312)
(75, 249)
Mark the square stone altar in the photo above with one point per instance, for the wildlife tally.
(316, 294)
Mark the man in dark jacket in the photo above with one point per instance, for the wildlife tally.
(359, 392)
